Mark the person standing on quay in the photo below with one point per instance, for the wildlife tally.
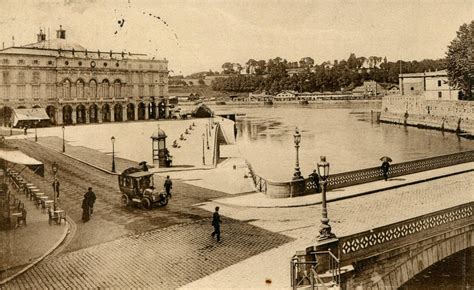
(216, 223)
(90, 197)
(56, 188)
(385, 168)
(86, 211)
(168, 186)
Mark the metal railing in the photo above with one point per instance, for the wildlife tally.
(304, 273)
(364, 243)
(398, 169)
(259, 182)
(305, 269)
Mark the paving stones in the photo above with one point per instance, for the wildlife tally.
(166, 258)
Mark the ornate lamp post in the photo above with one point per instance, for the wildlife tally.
(207, 136)
(113, 153)
(325, 228)
(55, 168)
(64, 144)
(297, 139)
(203, 158)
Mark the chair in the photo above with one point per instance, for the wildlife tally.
(22, 218)
(52, 217)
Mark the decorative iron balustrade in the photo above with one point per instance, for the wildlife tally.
(398, 169)
(259, 182)
(385, 234)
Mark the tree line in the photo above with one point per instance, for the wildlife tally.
(340, 75)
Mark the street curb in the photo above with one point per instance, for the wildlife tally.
(58, 243)
(80, 160)
(115, 173)
(348, 196)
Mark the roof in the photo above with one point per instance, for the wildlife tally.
(57, 43)
(34, 114)
(18, 157)
(140, 174)
(440, 73)
(158, 134)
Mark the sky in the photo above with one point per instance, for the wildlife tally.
(201, 35)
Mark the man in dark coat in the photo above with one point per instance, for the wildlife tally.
(90, 197)
(168, 186)
(86, 211)
(315, 177)
(216, 223)
(385, 167)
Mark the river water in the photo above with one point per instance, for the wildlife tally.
(347, 133)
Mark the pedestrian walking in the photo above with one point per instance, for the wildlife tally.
(216, 223)
(56, 188)
(86, 211)
(90, 197)
(385, 167)
(168, 186)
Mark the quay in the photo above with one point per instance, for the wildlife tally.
(258, 241)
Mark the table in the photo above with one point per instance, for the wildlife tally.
(60, 214)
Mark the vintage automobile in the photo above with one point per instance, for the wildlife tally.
(137, 189)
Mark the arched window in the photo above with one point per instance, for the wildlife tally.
(67, 89)
(117, 87)
(80, 89)
(105, 89)
(93, 89)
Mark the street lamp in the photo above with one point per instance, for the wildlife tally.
(64, 144)
(113, 153)
(55, 168)
(325, 228)
(203, 158)
(36, 133)
(297, 140)
(207, 136)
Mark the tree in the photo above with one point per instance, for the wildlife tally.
(459, 58)
(228, 68)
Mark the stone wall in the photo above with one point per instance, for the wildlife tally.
(437, 114)
(391, 255)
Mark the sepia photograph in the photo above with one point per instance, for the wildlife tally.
(212, 144)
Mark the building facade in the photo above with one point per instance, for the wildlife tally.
(430, 85)
(75, 85)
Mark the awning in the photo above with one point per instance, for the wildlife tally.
(18, 157)
(35, 114)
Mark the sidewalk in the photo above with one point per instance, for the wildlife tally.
(259, 200)
(24, 246)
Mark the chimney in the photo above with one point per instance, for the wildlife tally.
(61, 33)
(41, 36)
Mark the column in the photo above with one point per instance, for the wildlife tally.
(86, 113)
(167, 108)
(74, 116)
(146, 111)
(112, 113)
(135, 112)
(99, 115)
(124, 113)
(59, 116)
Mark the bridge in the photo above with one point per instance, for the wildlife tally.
(388, 255)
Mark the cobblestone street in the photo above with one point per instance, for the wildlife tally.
(109, 214)
(171, 247)
(162, 259)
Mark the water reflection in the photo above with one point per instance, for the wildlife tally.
(348, 134)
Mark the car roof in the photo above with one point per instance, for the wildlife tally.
(140, 174)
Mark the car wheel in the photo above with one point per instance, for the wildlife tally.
(125, 200)
(146, 203)
(164, 201)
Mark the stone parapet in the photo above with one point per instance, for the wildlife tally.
(436, 114)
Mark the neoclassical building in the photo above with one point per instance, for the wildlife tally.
(75, 85)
